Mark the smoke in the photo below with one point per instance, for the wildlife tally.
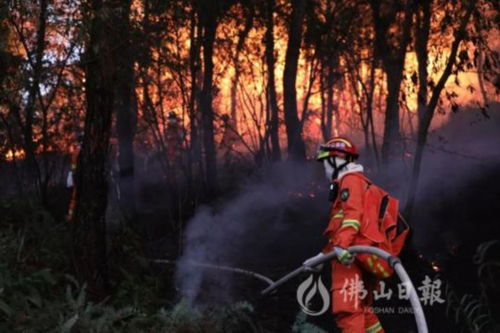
(275, 219)
(459, 173)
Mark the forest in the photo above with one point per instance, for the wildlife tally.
(158, 158)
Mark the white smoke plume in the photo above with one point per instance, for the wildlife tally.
(262, 225)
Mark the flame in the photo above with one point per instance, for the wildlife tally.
(16, 154)
(252, 81)
(165, 93)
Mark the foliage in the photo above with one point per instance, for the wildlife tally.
(301, 325)
(474, 313)
(38, 294)
(28, 302)
(30, 236)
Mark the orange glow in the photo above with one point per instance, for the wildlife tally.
(164, 80)
(16, 154)
(252, 82)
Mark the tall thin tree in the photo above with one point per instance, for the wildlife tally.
(271, 84)
(89, 227)
(296, 147)
(427, 107)
(208, 13)
(390, 49)
(126, 110)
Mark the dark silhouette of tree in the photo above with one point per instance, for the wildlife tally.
(296, 147)
(33, 92)
(427, 107)
(208, 12)
(390, 49)
(126, 109)
(248, 17)
(331, 38)
(10, 64)
(194, 69)
(209, 15)
(26, 120)
(89, 227)
(272, 99)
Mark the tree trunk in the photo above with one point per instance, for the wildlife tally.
(89, 228)
(34, 176)
(323, 98)
(126, 116)
(391, 122)
(369, 113)
(362, 102)
(393, 59)
(271, 85)
(209, 23)
(480, 77)
(309, 82)
(329, 99)
(236, 63)
(296, 147)
(426, 110)
(194, 67)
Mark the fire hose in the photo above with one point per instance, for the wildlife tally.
(219, 268)
(395, 263)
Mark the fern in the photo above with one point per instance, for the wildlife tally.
(472, 313)
(36, 298)
(302, 326)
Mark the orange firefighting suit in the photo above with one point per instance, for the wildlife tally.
(350, 306)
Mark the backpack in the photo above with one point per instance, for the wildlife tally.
(383, 226)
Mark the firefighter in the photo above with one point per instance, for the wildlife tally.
(174, 136)
(350, 305)
(70, 182)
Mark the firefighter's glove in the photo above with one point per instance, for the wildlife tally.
(344, 257)
(317, 268)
